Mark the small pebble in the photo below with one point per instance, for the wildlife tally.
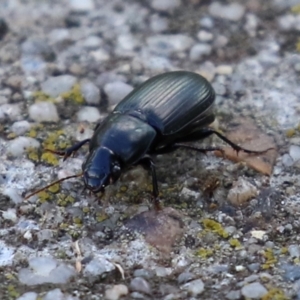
(205, 36)
(28, 296)
(158, 24)
(10, 214)
(254, 290)
(232, 12)
(6, 254)
(18, 146)
(199, 50)
(46, 270)
(207, 22)
(143, 273)
(98, 266)
(185, 277)
(11, 112)
(139, 284)
(294, 152)
(37, 47)
(195, 287)
(165, 5)
(208, 70)
(166, 44)
(55, 86)
(116, 292)
(88, 114)
(90, 92)
(116, 91)
(92, 42)
(20, 127)
(294, 251)
(43, 112)
(13, 195)
(233, 295)
(241, 192)
(81, 6)
(224, 70)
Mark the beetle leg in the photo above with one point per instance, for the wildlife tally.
(69, 151)
(206, 132)
(203, 150)
(148, 164)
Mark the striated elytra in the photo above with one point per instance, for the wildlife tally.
(159, 116)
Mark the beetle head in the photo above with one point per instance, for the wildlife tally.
(102, 168)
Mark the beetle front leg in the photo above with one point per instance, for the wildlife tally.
(69, 151)
(149, 165)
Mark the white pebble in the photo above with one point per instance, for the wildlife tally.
(81, 6)
(116, 91)
(88, 114)
(199, 50)
(6, 254)
(208, 70)
(59, 36)
(205, 36)
(10, 214)
(43, 112)
(231, 12)
(165, 5)
(294, 152)
(100, 55)
(116, 292)
(28, 296)
(10, 111)
(195, 287)
(54, 86)
(20, 127)
(18, 146)
(90, 92)
(13, 195)
(224, 70)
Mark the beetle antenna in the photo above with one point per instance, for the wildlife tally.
(49, 185)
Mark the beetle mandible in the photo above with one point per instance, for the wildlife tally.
(159, 116)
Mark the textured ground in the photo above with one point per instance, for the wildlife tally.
(227, 230)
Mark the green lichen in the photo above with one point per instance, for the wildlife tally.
(290, 132)
(296, 9)
(204, 253)
(123, 188)
(39, 96)
(235, 243)
(77, 221)
(74, 95)
(12, 292)
(33, 154)
(43, 196)
(215, 227)
(100, 217)
(270, 259)
(86, 209)
(65, 200)
(49, 158)
(54, 188)
(275, 294)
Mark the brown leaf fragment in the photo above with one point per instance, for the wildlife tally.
(246, 134)
(161, 229)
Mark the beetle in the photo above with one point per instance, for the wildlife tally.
(159, 116)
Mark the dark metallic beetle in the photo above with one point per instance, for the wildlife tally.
(157, 117)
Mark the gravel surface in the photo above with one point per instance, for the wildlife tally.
(227, 230)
